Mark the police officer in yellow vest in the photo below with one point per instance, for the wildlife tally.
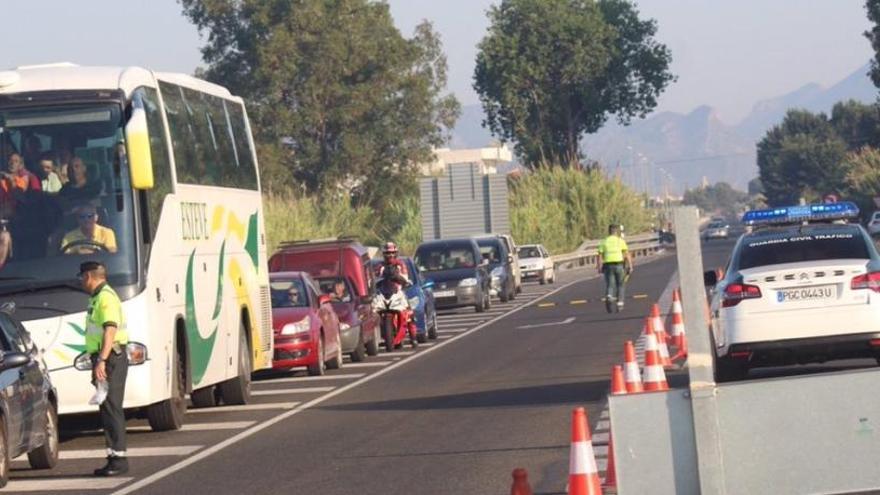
(106, 338)
(614, 262)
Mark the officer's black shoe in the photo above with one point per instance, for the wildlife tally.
(114, 467)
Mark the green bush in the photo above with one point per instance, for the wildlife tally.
(553, 206)
(560, 208)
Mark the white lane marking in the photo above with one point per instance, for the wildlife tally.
(600, 437)
(603, 425)
(453, 330)
(373, 364)
(426, 344)
(64, 484)
(219, 425)
(549, 324)
(394, 354)
(168, 471)
(285, 391)
(342, 376)
(444, 337)
(248, 407)
(180, 450)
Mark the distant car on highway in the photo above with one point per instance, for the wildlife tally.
(874, 223)
(459, 274)
(801, 287)
(306, 328)
(717, 230)
(512, 248)
(535, 263)
(421, 298)
(28, 401)
(501, 262)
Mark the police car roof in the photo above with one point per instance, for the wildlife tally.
(779, 231)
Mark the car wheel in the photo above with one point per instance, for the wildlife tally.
(204, 397)
(481, 306)
(728, 370)
(46, 456)
(513, 292)
(373, 345)
(422, 337)
(360, 351)
(504, 294)
(488, 305)
(432, 332)
(543, 280)
(4, 455)
(319, 367)
(336, 362)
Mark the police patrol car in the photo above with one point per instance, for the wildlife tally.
(803, 286)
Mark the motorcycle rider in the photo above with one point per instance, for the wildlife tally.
(394, 269)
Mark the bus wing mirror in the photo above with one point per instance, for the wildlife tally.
(137, 144)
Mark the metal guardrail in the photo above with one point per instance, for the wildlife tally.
(586, 254)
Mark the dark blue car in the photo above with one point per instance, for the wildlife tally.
(421, 298)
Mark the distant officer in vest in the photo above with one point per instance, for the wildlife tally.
(106, 338)
(615, 263)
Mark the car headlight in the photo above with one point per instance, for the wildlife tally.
(497, 272)
(301, 326)
(468, 282)
(414, 302)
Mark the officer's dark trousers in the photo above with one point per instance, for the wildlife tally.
(614, 280)
(112, 414)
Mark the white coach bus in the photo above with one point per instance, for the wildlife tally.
(162, 186)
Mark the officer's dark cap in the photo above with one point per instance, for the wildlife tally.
(90, 266)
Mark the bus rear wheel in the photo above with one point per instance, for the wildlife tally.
(168, 414)
(238, 389)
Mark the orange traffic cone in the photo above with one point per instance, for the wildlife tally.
(679, 337)
(583, 475)
(520, 484)
(617, 388)
(655, 377)
(632, 375)
(662, 337)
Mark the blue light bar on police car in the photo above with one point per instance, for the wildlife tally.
(801, 213)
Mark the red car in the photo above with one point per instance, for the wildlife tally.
(306, 327)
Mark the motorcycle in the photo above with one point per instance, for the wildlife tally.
(394, 313)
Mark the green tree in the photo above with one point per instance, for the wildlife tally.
(863, 178)
(720, 198)
(873, 35)
(858, 124)
(803, 157)
(355, 103)
(550, 71)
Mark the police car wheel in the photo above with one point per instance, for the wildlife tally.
(46, 455)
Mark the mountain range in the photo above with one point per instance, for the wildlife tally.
(670, 151)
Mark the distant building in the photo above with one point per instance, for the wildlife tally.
(487, 159)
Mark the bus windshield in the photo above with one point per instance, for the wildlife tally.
(65, 195)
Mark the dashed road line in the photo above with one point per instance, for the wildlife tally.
(219, 425)
(176, 451)
(78, 485)
(285, 391)
(371, 364)
(247, 407)
(298, 379)
(547, 305)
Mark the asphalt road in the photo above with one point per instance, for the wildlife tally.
(494, 392)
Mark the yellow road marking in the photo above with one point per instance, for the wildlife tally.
(546, 305)
(640, 296)
(578, 301)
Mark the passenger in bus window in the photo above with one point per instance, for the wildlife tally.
(32, 153)
(51, 181)
(79, 187)
(19, 178)
(89, 237)
(64, 159)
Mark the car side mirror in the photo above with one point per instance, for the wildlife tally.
(510, 259)
(710, 278)
(323, 299)
(12, 360)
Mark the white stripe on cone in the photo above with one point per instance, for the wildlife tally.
(582, 460)
(658, 325)
(654, 374)
(676, 307)
(631, 373)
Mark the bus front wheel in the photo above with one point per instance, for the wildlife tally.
(238, 389)
(168, 414)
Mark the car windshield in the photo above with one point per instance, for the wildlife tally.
(529, 252)
(288, 293)
(65, 196)
(716, 225)
(807, 246)
(490, 251)
(336, 288)
(438, 258)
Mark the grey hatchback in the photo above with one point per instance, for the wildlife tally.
(28, 402)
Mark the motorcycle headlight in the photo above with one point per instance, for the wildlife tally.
(497, 272)
(468, 282)
(414, 302)
(301, 326)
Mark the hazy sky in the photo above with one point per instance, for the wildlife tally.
(727, 53)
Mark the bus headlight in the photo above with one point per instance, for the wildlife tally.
(137, 353)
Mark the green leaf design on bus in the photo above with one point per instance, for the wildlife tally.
(250, 244)
(82, 332)
(200, 347)
(219, 302)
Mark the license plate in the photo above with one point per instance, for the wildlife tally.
(444, 293)
(815, 293)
